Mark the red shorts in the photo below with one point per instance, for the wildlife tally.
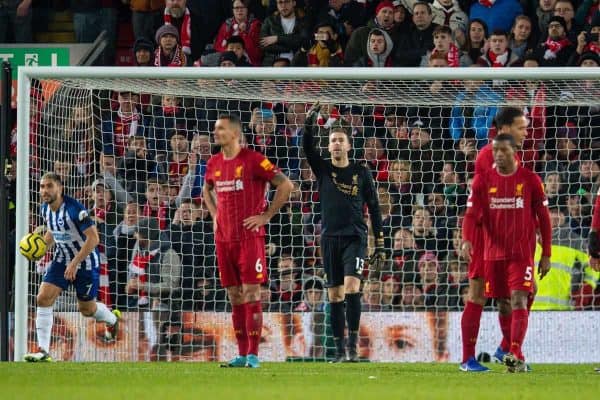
(477, 265)
(505, 276)
(242, 262)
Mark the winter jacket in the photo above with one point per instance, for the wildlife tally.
(357, 45)
(499, 16)
(377, 60)
(455, 18)
(285, 42)
(413, 46)
(251, 38)
(512, 60)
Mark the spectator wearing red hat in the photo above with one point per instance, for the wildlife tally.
(169, 52)
(384, 21)
(244, 25)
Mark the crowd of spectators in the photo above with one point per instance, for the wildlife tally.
(150, 152)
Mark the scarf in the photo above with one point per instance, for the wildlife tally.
(170, 110)
(452, 56)
(178, 59)
(186, 31)
(328, 123)
(161, 214)
(498, 61)
(553, 47)
(593, 47)
(138, 268)
(319, 56)
(487, 3)
(125, 126)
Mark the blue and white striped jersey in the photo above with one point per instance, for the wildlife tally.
(67, 225)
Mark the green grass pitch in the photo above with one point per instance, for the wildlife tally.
(307, 381)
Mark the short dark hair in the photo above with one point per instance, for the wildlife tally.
(232, 119)
(423, 3)
(338, 127)
(505, 137)
(282, 59)
(53, 176)
(507, 116)
(500, 32)
(324, 24)
(236, 39)
(377, 32)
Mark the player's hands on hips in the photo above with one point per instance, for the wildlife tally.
(256, 221)
(466, 250)
(71, 271)
(544, 266)
(311, 117)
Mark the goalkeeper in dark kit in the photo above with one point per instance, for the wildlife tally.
(344, 189)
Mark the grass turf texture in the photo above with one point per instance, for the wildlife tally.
(141, 381)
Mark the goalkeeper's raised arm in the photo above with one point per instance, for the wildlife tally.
(344, 189)
(308, 140)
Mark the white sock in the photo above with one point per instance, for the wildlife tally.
(43, 326)
(103, 314)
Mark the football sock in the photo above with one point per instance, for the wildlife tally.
(518, 331)
(239, 326)
(353, 318)
(469, 325)
(43, 326)
(103, 314)
(505, 327)
(254, 323)
(337, 320)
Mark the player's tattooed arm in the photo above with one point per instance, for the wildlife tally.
(282, 194)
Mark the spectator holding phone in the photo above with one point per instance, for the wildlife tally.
(587, 41)
(325, 50)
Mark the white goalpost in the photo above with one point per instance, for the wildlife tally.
(130, 144)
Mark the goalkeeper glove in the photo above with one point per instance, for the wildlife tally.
(594, 245)
(379, 257)
(310, 124)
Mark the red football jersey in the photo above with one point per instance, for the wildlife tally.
(240, 185)
(508, 208)
(596, 216)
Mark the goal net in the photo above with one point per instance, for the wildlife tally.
(132, 145)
